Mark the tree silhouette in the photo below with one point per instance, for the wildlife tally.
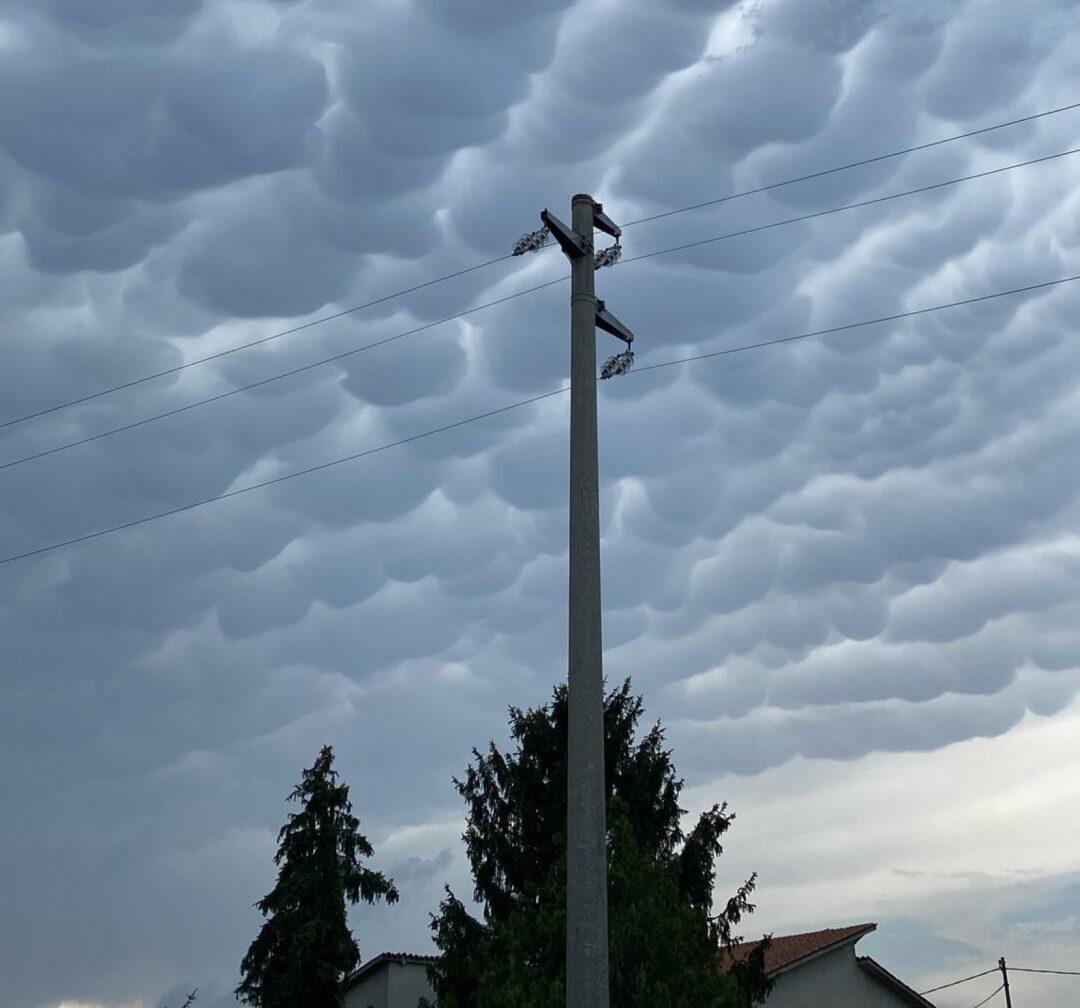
(305, 948)
(664, 940)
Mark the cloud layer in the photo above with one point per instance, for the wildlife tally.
(822, 551)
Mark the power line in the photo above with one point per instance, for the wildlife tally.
(1014, 969)
(247, 346)
(955, 982)
(854, 325)
(509, 297)
(273, 378)
(847, 206)
(491, 262)
(1020, 969)
(852, 164)
(278, 479)
(482, 416)
(994, 995)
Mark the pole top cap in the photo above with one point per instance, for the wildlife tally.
(583, 197)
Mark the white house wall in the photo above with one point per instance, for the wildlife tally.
(408, 983)
(391, 984)
(372, 991)
(832, 979)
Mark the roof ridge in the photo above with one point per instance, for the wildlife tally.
(404, 955)
(365, 967)
(786, 951)
(868, 926)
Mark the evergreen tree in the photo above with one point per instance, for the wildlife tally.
(664, 940)
(304, 949)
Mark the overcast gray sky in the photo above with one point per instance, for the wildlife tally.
(843, 571)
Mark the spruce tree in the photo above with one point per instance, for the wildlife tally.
(664, 940)
(305, 948)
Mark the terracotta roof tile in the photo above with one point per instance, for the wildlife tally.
(384, 957)
(786, 950)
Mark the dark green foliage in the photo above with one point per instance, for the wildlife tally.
(663, 939)
(305, 948)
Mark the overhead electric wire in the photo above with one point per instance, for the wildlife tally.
(491, 262)
(490, 413)
(1012, 969)
(851, 325)
(1021, 969)
(247, 346)
(273, 378)
(852, 164)
(278, 479)
(974, 976)
(846, 206)
(509, 297)
(994, 995)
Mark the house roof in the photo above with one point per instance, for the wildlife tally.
(388, 957)
(783, 953)
(789, 950)
(883, 976)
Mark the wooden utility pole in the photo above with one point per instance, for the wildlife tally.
(587, 978)
(1005, 982)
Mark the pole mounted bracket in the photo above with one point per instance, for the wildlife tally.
(569, 240)
(610, 324)
(604, 222)
(621, 362)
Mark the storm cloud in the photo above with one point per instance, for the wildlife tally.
(823, 554)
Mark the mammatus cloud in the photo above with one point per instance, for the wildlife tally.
(824, 555)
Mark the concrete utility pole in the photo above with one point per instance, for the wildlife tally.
(586, 812)
(1005, 982)
(587, 981)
